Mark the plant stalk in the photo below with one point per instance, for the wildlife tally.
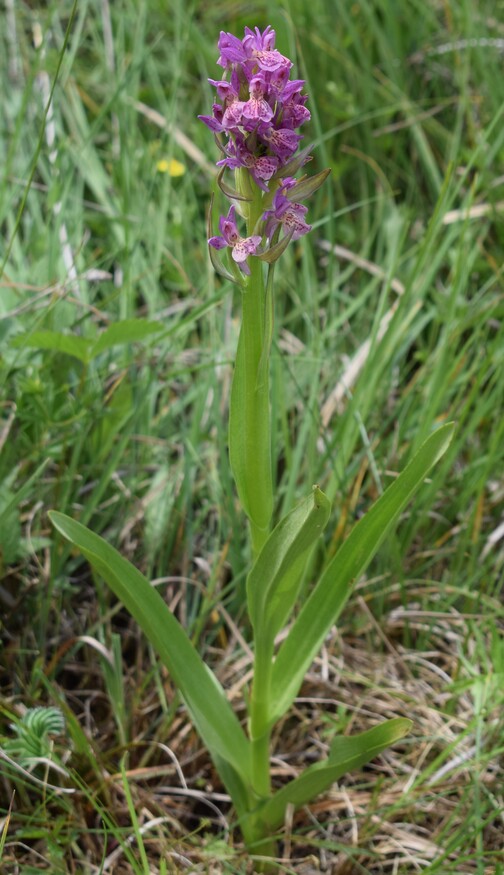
(257, 412)
(260, 733)
(250, 416)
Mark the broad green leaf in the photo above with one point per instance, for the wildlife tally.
(205, 699)
(84, 349)
(78, 347)
(273, 582)
(347, 752)
(126, 331)
(327, 600)
(234, 784)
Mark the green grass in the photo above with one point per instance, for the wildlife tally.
(123, 425)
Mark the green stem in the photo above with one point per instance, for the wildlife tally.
(259, 719)
(250, 457)
(257, 412)
(260, 732)
(249, 423)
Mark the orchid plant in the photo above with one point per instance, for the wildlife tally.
(255, 119)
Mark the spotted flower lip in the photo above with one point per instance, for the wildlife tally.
(257, 107)
(261, 167)
(286, 213)
(241, 247)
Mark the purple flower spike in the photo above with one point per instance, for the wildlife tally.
(257, 114)
(241, 247)
(259, 104)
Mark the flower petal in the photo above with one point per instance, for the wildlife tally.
(217, 242)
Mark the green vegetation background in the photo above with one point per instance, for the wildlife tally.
(116, 347)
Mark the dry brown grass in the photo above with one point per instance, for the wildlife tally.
(398, 815)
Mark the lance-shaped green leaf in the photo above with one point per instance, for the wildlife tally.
(70, 344)
(211, 712)
(273, 582)
(347, 752)
(327, 600)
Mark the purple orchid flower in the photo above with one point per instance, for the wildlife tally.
(241, 247)
(282, 141)
(287, 213)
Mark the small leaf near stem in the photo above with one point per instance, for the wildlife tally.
(347, 752)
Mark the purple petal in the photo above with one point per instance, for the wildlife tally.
(224, 89)
(254, 39)
(293, 218)
(231, 50)
(217, 242)
(211, 123)
(227, 227)
(233, 115)
(270, 61)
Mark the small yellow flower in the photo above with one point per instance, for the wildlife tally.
(172, 167)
